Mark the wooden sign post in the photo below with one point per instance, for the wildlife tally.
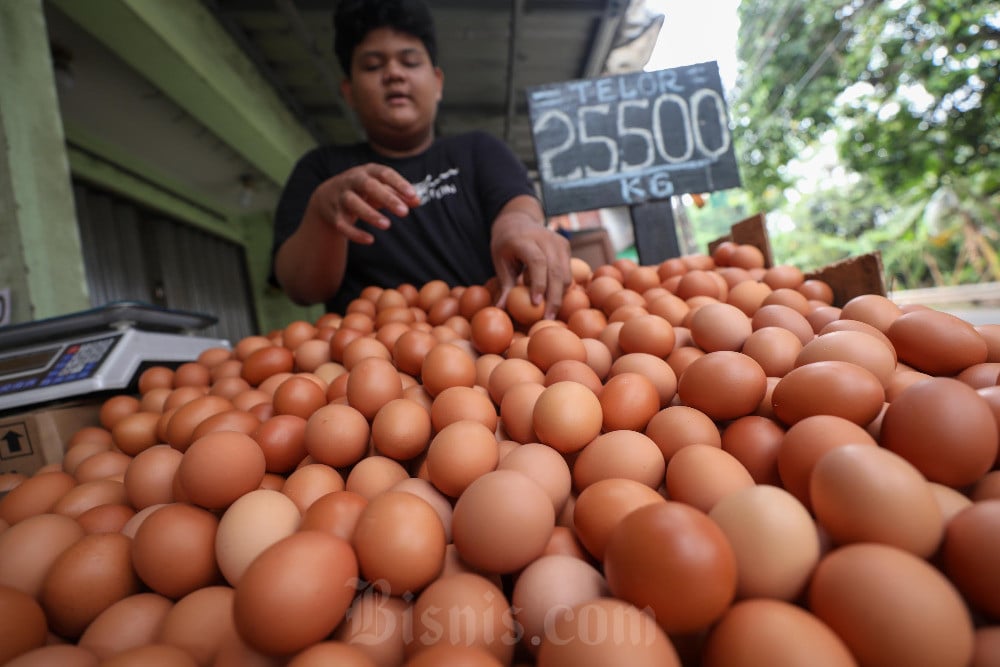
(637, 140)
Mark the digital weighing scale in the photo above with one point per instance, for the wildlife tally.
(95, 351)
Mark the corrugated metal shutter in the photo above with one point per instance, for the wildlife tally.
(133, 254)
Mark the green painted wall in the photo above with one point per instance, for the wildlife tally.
(40, 257)
(180, 49)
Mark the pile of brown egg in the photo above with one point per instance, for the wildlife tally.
(701, 462)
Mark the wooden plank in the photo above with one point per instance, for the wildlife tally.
(949, 294)
(853, 277)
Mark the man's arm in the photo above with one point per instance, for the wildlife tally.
(310, 264)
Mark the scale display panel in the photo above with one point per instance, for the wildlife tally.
(94, 351)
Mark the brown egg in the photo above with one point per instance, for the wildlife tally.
(861, 493)
(103, 465)
(550, 584)
(457, 403)
(199, 623)
(545, 466)
(944, 428)
(23, 625)
(855, 347)
(585, 635)
(132, 525)
(821, 315)
(838, 388)
(401, 429)
(981, 375)
(655, 369)
(773, 632)
(675, 560)
(173, 550)
(602, 505)
(87, 578)
(701, 475)
(192, 374)
(574, 298)
(970, 542)
(774, 348)
(723, 385)
(788, 296)
(295, 592)
(522, 307)
(628, 401)
(129, 623)
(64, 655)
(891, 607)
(459, 454)
(774, 539)
(282, 440)
(331, 653)
(155, 377)
(873, 309)
(681, 358)
(720, 326)
(372, 383)
(780, 315)
(181, 426)
(754, 441)
(435, 623)
(621, 454)
(29, 548)
(338, 435)
(936, 342)
(264, 362)
(85, 496)
(400, 543)
(375, 624)
(76, 454)
(502, 521)
(335, 513)
(447, 365)
(587, 322)
(311, 354)
(806, 442)
(670, 307)
(220, 467)
(677, 426)
(116, 407)
(310, 482)
(510, 372)
(374, 475)
(554, 343)
(491, 330)
(252, 523)
(109, 518)
(516, 408)
(298, 396)
(35, 495)
(567, 416)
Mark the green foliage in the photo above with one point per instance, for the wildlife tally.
(907, 92)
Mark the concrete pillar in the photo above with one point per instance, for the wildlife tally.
(41, 261)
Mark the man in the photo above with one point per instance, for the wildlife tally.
(406, 206)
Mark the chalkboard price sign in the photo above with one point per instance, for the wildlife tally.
(631, 138)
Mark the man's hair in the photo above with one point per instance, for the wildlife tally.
(354, 19)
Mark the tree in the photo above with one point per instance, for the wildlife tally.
(906, 91)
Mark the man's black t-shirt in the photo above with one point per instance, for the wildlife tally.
(463, 182)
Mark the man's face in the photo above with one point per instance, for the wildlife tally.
(394, 88)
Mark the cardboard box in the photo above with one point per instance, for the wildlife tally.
(35, 438)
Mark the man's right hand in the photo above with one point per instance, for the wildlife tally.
(361, 193)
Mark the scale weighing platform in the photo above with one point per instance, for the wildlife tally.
(94, 351)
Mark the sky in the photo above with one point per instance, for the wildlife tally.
(696, 31)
